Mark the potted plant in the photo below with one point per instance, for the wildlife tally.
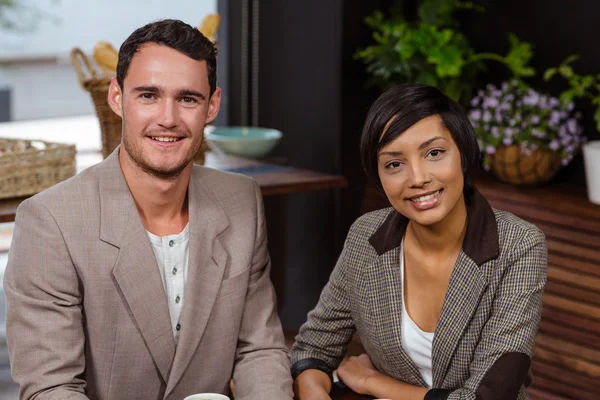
(525, 136)
(583, 87)
(432, 50)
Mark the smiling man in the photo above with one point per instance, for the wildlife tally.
(145, 276)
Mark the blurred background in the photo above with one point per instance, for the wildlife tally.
(527, 72)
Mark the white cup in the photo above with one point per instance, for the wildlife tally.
(591, 158)
(207, 396)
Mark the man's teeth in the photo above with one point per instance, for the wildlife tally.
(424, 198)
(165, 139)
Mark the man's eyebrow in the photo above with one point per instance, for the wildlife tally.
(189, 92)
(151, 89)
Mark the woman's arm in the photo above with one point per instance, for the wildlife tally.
(502, 357)
(323, 340)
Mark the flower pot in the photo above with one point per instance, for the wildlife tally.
(512, 165)
(591, 159)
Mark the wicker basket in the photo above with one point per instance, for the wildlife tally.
(26, 169)
(511, 165)
(110, 123)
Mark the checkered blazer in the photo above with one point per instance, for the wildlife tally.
(485, 334)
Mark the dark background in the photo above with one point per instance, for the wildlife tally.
(312, 89)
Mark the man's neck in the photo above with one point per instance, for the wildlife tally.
(161, 203)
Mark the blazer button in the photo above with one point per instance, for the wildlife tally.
(171, 243)
(178, 327)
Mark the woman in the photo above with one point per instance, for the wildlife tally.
(444, 291)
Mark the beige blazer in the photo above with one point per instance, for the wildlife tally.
(485, 334)
(87, 314)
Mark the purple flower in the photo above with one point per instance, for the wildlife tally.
(498, 115)
(487, 116)
(475, 101)
(533, 147)
(490, 102)
(475, 115)
(535, 119)
(554, 145)
(554, 102)
(495, 132)
(554, 118)
(508, 132)
(565, 140)
(565, 161)
(572, 126)
(504, 86)
(507, 141)
(571, 106)
(531, 99)
(537, 133)
(490, 150)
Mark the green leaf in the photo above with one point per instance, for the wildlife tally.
(565, 71)
(448, 61)
(437, 12)
(550, 72)
(570, 59)
(518, 57)
(567, 96)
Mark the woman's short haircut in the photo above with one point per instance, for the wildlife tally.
(405, 105)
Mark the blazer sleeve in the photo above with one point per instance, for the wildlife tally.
(44, 327)
(323, 339)
(262, 367)
(500, 365)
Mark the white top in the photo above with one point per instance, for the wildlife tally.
(416, 343)
(172, 253)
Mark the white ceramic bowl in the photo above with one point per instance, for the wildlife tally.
(243, 141)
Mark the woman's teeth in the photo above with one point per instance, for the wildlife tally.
(424, 198)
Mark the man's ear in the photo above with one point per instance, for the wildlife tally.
(115, 97)
(213, 106)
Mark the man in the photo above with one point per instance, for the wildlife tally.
(146, 277)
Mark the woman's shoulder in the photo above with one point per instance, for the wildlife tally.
(366, 225)
(512, 227)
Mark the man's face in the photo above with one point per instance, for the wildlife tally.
(165, 103)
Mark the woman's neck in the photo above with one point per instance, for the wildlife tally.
(443, 237)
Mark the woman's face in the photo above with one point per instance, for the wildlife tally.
(421, 172)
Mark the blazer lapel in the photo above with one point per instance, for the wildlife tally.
(465, 289)
(206, 267)
(384, 287)
(135, 271)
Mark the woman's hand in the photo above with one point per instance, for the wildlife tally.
(355, 372)
(312, 384)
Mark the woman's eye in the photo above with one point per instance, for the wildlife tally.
(436, 152)
(392, 165)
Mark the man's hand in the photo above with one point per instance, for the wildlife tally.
(355, 372)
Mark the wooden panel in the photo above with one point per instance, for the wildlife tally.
(579, 332)
(589, 267)
(574, 293)
(592, 254)
(564, 275)
(559, 345)
(564, 375)
(585, 369)
(568, 234)
(538, 394)
(577, 307)
(571, 321)
(548, 383)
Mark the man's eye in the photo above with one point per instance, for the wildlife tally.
(147, 96)
(189, 100)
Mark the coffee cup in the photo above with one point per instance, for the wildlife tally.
(207, 396)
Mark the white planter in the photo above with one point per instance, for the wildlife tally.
(591, 158)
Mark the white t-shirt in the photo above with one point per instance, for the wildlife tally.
(172, 253)
(416, 343)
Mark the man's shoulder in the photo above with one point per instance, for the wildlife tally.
(69, 195)
(223, 183)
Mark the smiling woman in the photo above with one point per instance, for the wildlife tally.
(444, 291)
